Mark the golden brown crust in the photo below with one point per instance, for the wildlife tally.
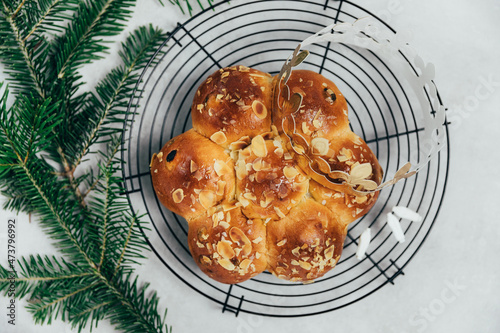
(191, 174)
(227, 246)
(231, 103)
(268, 182)
(306, 244)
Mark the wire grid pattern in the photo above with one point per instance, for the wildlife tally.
(382, 110)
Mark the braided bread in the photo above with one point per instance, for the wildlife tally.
(249, 178)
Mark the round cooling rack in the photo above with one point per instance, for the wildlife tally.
(382, 110)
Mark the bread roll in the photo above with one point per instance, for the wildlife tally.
(227, 246)
(323, 112)
(268, 182)
(191, 174)
(233, 103)
(305, 244)
(264, 186)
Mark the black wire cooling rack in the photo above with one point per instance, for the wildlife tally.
(382, 109)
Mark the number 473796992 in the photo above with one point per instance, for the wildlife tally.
(11, 241)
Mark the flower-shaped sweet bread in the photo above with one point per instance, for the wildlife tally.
(269, 177)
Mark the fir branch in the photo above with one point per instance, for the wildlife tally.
(96, 283)
(103, 112)
(188, 5)
(23, 59)
(41, 275)
(93, 312)
(49, 306)
(82, 41)
(48, 14)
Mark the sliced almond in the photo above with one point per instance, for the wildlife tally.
(305, 129)
(239, 237)
(257, 164)
(245, 263)
(221, 185)
(320, 146)
(204, 260)
(279, 152)
(266, 166)
(250, 196)
(259, 109)
(178, 195)
(361, 171)
(329, 252)
(211, 211)
(257, 240)
(221, 168)
(280, 270)
(281, 242)
(229, 206)
(245, 139)
(216, 218)
(218, 137)
(225, 250)
(241, 171)
(244, 202)
(346, 152)
(224, 224)
(361, 199)
(207, 198)
(259, 147)
(160, 156)
(305, 265)
(316, 122)
(279, 212)
(193, 167)
(290, 172)
(237, 145)
(226, 264)
(296, 251)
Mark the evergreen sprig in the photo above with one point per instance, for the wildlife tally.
(49, 126)
(189, 7)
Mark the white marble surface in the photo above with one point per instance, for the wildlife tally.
(453, 283)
